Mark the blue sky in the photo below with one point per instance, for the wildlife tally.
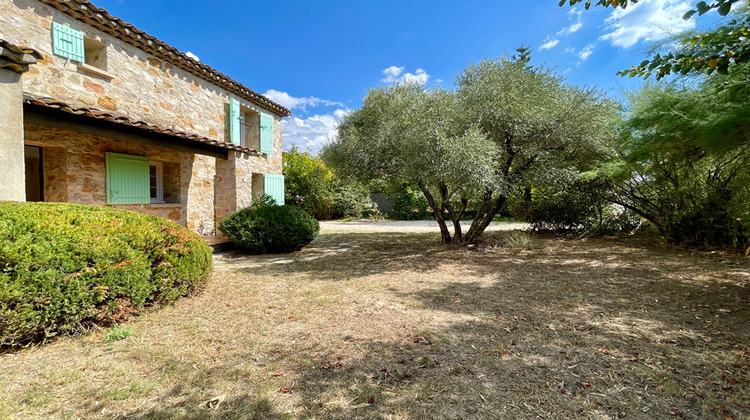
(318, 58)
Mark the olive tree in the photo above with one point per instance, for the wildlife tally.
(413, 134)
(539, 126)
(506, 122)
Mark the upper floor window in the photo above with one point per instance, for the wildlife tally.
(95, 53)
(249, 128)
(90, 54)
(249, 131)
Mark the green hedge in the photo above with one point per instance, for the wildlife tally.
(270, 228)
(65, 266)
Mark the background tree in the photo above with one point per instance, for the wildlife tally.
(310, 185)
(411, 134)
(683, 163)
(506, 122)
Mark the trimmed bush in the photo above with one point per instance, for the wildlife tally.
(263, 228)
(64, 267)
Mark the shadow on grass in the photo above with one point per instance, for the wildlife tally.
(572, 328)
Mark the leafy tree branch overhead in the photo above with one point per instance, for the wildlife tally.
(723, 6)
(722, 50)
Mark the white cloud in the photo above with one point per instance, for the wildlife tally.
(313, 132)
(647, 21)
(574, 27)
(193, 56)
(288, 101)
(586, 52)
(392, 73)
(570, 50)
(395, 74)
(549, 44)
(340, 113)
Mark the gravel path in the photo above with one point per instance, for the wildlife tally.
(332, 241)
(408, 226)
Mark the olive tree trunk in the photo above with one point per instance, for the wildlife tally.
(445, 235)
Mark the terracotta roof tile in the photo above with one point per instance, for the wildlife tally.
(89, 14)
(98, 114)
(17, 58)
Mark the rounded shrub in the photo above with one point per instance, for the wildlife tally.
(65, 266)
(263, 228)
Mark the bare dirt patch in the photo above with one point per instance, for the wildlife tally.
(391, 325)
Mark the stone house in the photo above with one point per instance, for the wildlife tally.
(95, 111)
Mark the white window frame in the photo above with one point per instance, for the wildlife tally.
(159, 182)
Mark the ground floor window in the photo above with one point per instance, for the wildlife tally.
(139, 180)
(269, 184)
(156, 181)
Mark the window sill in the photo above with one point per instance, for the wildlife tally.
(150, 205)
(164, 205)
(94, 70)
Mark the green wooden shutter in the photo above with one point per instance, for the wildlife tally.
(266, 133)
(127, 179)
(274, 186)
(234, 121)
(67, 42)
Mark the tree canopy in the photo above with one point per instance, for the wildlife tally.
(507, 121)
(683, 163)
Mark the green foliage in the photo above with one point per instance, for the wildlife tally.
(308, 184)
(579, 207)
(722, 50)
(272, 229)
(117, 333)
(351, 200)
(683, 163)
(723, 6)
(311, 186)
(409, 204)
(263, 200)
(506, 122)
(65, 266)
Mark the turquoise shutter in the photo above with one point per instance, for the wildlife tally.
(234, 121)
(67, 42)
(266, 133)
(127, 179)
(274, 186)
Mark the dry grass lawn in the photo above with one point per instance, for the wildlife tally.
(390, 325)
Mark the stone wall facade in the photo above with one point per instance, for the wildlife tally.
(75, 172)
(142, 86)
(134, 84)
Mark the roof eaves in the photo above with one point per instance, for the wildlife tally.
(99, 18)
(51, 103)
(15, 58)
